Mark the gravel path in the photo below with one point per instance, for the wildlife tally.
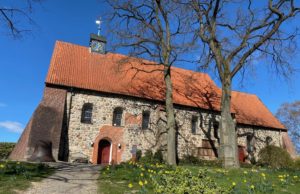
(68, 178)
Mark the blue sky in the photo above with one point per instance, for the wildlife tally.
(24, 63)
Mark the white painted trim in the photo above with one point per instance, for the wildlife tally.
(110, 152)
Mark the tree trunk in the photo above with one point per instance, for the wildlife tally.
(171, 137)
(228, 137)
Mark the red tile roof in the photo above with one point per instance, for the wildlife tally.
(75, 66)
(250, 110)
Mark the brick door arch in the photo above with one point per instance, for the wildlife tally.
(115, 136)
(104, 152)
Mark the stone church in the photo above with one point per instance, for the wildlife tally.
(103, 107)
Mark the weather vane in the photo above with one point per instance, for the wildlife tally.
(98, 22)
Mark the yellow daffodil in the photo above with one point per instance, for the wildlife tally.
(245, 180)
(142, 174)
(295, 177)
(252, 187)
(146, 182)
(245, 172)
(263, 174)
(281, 179)
(280, 176)
(141, 183)
(233, 183)
(130, 185)
(253, 170)
(2, 166)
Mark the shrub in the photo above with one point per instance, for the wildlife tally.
(149, 157)
(138, 155)
(188, 159)
(5, 149)
(158, 156)
(274, 157)
(183, 181)
(297, 163)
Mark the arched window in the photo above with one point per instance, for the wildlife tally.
(216, 129)
(194, 124)
(250, 147)
(268, 140)
(86, 114)
(146, 119)
(117, 116)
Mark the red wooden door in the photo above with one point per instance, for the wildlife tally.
(103, 152)
(241, 153)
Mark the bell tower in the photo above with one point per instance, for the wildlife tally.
(98, 42)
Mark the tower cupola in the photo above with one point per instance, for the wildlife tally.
(98, 42)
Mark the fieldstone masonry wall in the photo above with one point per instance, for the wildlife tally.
(82, 137)
(259, 140)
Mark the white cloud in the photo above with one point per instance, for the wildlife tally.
(2, 105)
(12, 126)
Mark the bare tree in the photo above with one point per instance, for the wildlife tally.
(235, 33)
(289, 115)
(154, 30)
(15, 19)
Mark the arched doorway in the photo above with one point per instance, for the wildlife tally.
(104, 152)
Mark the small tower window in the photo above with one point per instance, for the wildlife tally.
(194, 124)
(117, 116)
(86, 114)
(146, 119)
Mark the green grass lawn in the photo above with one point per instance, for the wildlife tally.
(260, 179)
(18, 175)
(119, 179)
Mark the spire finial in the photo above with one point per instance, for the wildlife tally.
(98, 22)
